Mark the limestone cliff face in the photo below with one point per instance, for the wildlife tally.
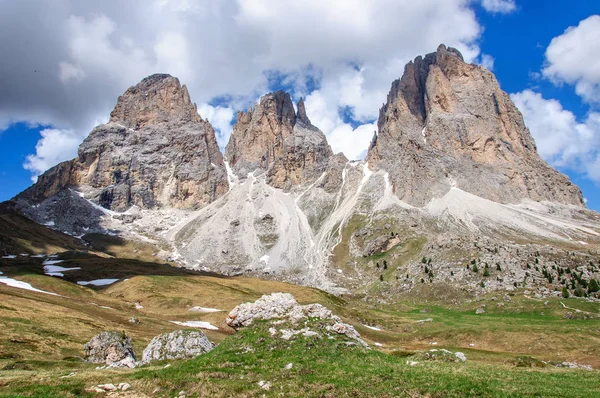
(273, 138)
(155, 151)
(448, 124)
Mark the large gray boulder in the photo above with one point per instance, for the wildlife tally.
(179, 344)
(282, 308)
(112, 348)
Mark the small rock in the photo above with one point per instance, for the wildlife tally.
(124, 386)
(507, 298)
(134, 320)
(479, 310)
(108, 387)
(462, 357)
(265, 385)
(289, 365)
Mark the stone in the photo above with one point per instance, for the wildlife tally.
(124, 386)
(283, 306)
(108, 387)
(479, 310)
(112, 348)
(447, 124)
(462, 357)
(179, 344)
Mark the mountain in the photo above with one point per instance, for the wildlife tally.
(156, 151)
(448, 124)
(275, 139)
(452, 180)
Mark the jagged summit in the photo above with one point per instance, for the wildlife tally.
(156, 151)
(448, 124)
(156, 99)
(301, 116)
(271, 137)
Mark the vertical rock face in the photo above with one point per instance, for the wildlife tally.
(448, 124)
(275, 139)
(155, 151)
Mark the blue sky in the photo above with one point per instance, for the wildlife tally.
(53, 87)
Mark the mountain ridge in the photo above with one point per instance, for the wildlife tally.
(452, 169)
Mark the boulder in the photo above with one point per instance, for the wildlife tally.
(179, 344)
(282, 307)
(112, 348)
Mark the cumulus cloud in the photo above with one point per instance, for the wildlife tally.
(220, 118)
(499, 6)
(561, 140)
(487, 61)
(574, 58)
(76, 57)
(54, 147)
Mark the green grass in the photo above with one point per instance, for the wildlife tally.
(321, 368)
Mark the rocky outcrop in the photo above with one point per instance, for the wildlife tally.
(112, 348)
(448, 124)
(180, 344)
(155, 151)
(273, 138)
(291, 318)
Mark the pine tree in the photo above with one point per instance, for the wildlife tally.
(475, 269)
(486, 272)
(498, 267)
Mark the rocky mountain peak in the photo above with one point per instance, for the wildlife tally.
(447, 123)
(271, 137)
(156, 151)
(301, 116)
(156, 99)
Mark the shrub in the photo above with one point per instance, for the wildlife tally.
(424, 260)
(579, 292)
(381, 278)
(593, 286)
(475, 269)
(498, 267)
(565, 292)
(486, 272)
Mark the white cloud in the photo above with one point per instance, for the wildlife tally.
(220, 118)
(54, 147)
(487, 61)
(342, 137)
(499, 6)
(561, 140)
(574, 58)
(346, 52)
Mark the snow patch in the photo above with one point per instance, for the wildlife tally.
(52, 262)
(55, 270)
(22, 285)
(372, 328)
(10, 256)
(204, 309)
(97, 282)
(196, 324)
